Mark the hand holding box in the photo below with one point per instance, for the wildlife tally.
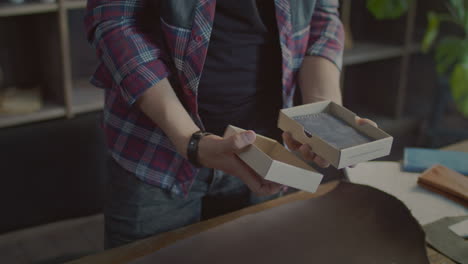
(332, 133)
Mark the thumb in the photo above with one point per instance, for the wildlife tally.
(240, 140)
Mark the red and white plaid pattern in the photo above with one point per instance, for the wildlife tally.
(133, 60)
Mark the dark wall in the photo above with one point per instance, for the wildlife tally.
(51, 171)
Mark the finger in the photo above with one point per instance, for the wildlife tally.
(321, 162)
(290, 142)
(362, 121)
(269, 188)
(238, 141)
(306, 152)
(309, 155)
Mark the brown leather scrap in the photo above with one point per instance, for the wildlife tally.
(446, 182)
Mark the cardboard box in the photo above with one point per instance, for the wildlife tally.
(269, 159)
(328, 123)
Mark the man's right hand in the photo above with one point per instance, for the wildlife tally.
(220, 153)
(161, 104)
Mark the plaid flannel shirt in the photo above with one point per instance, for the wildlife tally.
(137, 50)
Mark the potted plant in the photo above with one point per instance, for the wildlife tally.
(451, 50)
(388, 9)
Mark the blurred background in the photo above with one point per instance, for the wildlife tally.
(398, 71)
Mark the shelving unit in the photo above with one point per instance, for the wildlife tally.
(74, 4)
(85, 97)
(363, 52)
(367, 52)
(48, 111)
(7, 9)
(77, 96)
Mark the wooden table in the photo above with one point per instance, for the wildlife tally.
(147, 246)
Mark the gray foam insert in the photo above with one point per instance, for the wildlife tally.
(332, 130)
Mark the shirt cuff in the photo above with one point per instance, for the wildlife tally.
(142, 78)
(327, 40)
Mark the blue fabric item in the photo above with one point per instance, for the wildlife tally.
(420, 159)
(332, 130)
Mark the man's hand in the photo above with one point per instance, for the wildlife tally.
(220, 153)
(308, 153)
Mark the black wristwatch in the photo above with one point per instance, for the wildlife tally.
(192, 148)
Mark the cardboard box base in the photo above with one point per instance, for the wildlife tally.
(343, 142)
(269, 159)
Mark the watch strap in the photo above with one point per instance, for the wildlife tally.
(192, 148)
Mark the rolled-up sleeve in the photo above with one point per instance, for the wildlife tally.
(130, 54)
(326, 32)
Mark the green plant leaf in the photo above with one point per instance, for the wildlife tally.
(459, 87)
(450, 51)
(457, 7)
(387, 9)
(433, 25)
(466, 16)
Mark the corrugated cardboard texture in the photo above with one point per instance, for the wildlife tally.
(352, 224)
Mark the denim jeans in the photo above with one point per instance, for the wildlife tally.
(134, 209)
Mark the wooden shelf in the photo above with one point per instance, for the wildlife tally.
(86, 98)
(9, 9)
(74, 4)
(48, 112)
(367, 52)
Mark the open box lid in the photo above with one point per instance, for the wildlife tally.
(378, 143)
(269, 159)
